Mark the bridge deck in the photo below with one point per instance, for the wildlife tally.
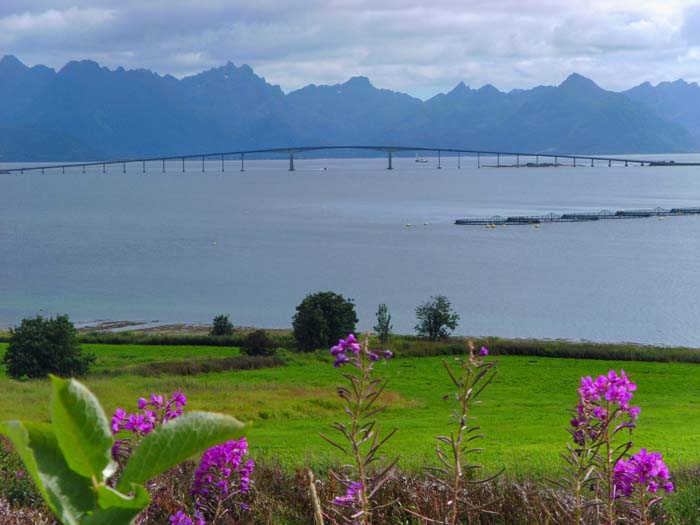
(389, 150)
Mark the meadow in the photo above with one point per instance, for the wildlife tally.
(523, 414)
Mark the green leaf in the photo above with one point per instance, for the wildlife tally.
(82, 429)
(67, 494)
(174, 442)
(117, 508)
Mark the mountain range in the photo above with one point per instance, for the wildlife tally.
(85, 112)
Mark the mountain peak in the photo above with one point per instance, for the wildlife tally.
(459, 89)
(358, 82)
(11, 63)
(578, 82)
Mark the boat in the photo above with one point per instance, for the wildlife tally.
(421, 159)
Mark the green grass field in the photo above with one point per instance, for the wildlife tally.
(523, 413)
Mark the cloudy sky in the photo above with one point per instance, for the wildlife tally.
(420, 47)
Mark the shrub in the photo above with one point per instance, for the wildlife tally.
(221, 326)
(258, 343)
(39, 347)
(436, 318)
(383, 326)
(321, 319)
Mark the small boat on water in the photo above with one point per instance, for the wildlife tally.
(421, 159)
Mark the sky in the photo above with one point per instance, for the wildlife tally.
(418, 47)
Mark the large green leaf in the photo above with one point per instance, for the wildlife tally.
(67, 494)
(174, 442)
(116, 508)
(82, 429)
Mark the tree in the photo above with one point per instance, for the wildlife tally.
(39, 347)
(321, 319)
(383, 327)
(221, 326)
(436, 318)
(258, 342)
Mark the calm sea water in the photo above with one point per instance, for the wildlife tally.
(180, 247)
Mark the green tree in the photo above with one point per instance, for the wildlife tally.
(436, 318)
(258, 342)
(383, 327)
(321, 319)
(39, 347)
(221, 326)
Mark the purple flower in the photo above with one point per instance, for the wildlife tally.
(341, 360)
(351, 494)
(388, 354)
(614, 389)
(118, 420)
(180, 518)
(484, 351)
(373, 356)
(223, 472)
(645, 469)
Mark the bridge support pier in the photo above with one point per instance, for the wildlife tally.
(242, 165)
(574, 162)
(537, 161)
(517, 161)
(143, 166)
(459, 160)
(609, 163)
(498, 160)
(390, 167)
(556, 161)
(63, 171)
(202, 163)
(439, 166)
(163, 165)
(592, 165)
(291, 162)
(222, 163)
(478, 159)
(123, 167)
(183, 164)
(625, 164)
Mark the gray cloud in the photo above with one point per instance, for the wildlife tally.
(416, 46)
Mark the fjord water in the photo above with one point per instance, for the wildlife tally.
(183, 247)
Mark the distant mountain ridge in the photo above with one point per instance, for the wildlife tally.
(85, 111)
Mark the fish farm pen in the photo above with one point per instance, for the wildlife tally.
(576, 217)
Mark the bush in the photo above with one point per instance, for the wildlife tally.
(321, 319)
(383, 326)
(436, 318)
(258, 343)
(221, 326)
(45, 346)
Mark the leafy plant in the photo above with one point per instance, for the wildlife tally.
(39, 347)
(221, 325)
(383, 327)
(456, 470)
(321, 319)
(362, 433)
(436, 318)
(70, 459)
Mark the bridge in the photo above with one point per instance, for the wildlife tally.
(498, 158)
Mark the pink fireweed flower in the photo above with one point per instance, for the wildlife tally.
(351, 495)
(484, 351)
(223, 471)
(350, 345)
(644, 469)
(180, 518)
(613, 389)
